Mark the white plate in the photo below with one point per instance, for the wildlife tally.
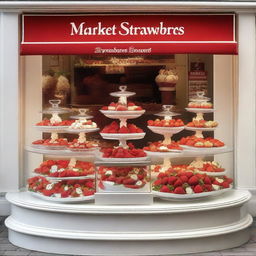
(174, 153)
(85, 150)
(171, 196)
(37, 146)
(123, 160)
(212, 149)
(166, 130)
(86, 130)
(63, 152)
(200, 110)
(126, 136)
(111, 187)
(213, 173)
(128, 114)
(63, 200)
(200, 129)
(66, 178)
(51, 129)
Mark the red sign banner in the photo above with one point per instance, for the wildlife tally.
(128, 34)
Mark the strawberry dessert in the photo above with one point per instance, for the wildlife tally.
(121, 152)
(159, 146)
(63, 168)
(77, 145)
(130, 106)
(188, 182)
(202, 124)
(115, 128)
(82, 124)
(62, 189)
(59, 142)
(206, 166)
(129, 177)
(200, 101)
(166, 123)
(200, 105)
(47, 122)
(194, 141)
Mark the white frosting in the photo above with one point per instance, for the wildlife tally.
(49, 186)
(55, 119)
(66, 188)
(189, 190)
(138, 183)
(79, 191)
(54, 169)
(134, 176)
(219, 180)
(111, 108)
(216, 187)
(108, 173)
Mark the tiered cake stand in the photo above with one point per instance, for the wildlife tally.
(167, 132)
(123, 193)
(62, 182)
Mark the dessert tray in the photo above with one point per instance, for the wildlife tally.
(171, 197)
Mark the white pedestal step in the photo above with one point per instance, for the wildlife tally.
(159, 229)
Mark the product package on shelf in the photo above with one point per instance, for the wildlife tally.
(123, 175)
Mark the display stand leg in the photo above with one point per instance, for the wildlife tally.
(123, 144)
(82, 137)
(72, 162)
(167, 163)
(199, 134)
(199, 116)
(123, 122)
(167, 139)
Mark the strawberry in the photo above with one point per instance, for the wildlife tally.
(172, 180)
(189, 174)
(193, 180)
(184, 178)
(208, 187)
(207, 180)
(165, 189)
(178, 183)
(225, 184)
(112, 178)
(179, 190)
(162, 175)
(128, 181)
(157, 182)
(124, 129)
(165, 180)
(198, 189)
(121, 108)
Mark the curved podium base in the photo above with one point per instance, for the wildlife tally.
(164, 228)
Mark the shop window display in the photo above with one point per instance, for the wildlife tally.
(170, 157)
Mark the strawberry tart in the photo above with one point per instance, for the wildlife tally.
(63, 168)
(122, 178)
(193, 141)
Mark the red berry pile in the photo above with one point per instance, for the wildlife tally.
(49, 142)
(47, 122)
(121, 152)
(130, 177)
(121, 107)
(188, 182)
(166, 123)
(115, 128)
(59, 168)
(78, 146)
(64, 189)
(194, 141)
(159, 146)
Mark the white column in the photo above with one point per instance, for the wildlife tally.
(10, 103)
(32, 80)
(245, 93)
(223, 77)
